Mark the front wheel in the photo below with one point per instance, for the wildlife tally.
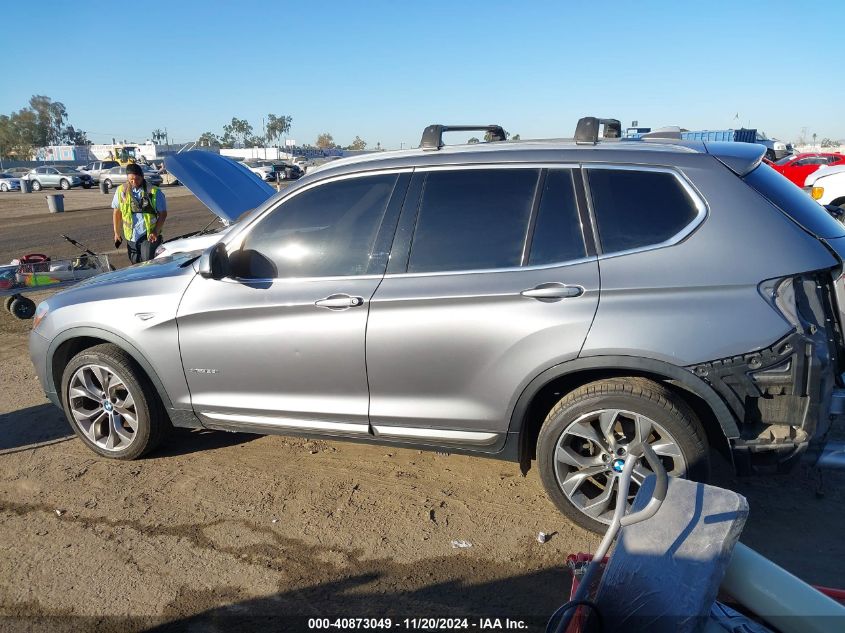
(64, 184)
(4, 187)
(586, 436)
(107, 184)
(36, 186)
(111, 404)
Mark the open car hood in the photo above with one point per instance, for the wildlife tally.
(225, 186)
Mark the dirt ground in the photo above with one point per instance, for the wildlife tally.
(221, 531)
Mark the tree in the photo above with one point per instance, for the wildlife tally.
(254, 141)
(72, 136)
(325, 141)
(472, 141)
(357, 144)
(237, 129)
(207, 139)
(41, 123)
(516, 137)
(826, 142)
(488, 136)
(277, 126)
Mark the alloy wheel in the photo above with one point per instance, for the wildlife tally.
(102, 407)
(591, 451)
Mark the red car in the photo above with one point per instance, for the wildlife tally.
(798, 166)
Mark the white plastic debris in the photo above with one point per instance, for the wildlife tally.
(542, 537)
(59, 512)
(274, 521)
(461, 544)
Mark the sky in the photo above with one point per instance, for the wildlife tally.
(383, 70)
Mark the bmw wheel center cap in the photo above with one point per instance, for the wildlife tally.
(618, 465)
(108, 407)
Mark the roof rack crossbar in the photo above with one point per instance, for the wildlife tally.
(587, 130)
(432, 137)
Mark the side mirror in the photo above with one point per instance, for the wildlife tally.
(214, 262)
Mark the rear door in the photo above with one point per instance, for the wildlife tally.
(490, 283)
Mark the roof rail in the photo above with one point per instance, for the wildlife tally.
(587, 130)
(432, 137)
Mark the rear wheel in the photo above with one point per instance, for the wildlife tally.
(64, 184)
(4, 187)
(111, 404)
(107, 184)
(587, 435)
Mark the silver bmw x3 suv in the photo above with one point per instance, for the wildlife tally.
(557, 301)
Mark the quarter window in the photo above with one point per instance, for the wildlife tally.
(472, 219)
(636, 208)
(326, 231)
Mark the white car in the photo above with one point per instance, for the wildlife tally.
(826, 185)
(261, 168)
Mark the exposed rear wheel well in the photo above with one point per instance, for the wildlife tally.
(556, 389)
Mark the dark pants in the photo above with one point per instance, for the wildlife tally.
(142, 250)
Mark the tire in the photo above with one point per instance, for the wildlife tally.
(22, 308)
(111, 434)
(770, 154)
(86, 185)
(4, 187)
(7, 302)
(107, 183)
(575, 430)
(36, 186)
(64, 185)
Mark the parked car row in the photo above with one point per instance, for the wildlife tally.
(63, 177)
(796, 167)
(274, 171)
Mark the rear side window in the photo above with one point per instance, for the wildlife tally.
(635, 208)
(557, 233)
(472, 219)
(794, 202)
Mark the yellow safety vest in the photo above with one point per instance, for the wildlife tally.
(124, 198)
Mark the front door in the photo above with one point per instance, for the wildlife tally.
(279, 346)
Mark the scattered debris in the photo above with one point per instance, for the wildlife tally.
(461, 544)
(542, 537)
(274, 521)
(313, 452)
(431, 516)
(60, 512)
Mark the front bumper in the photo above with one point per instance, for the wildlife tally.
(38, 346)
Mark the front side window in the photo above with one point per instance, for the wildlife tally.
(326, 231)
(472, 219)
(638, 208)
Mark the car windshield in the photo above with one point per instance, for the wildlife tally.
(784, 160)
(6, 176)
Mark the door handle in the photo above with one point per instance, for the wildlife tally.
(553, 291)
(340, 302)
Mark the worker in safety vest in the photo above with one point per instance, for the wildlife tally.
(139, 214)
